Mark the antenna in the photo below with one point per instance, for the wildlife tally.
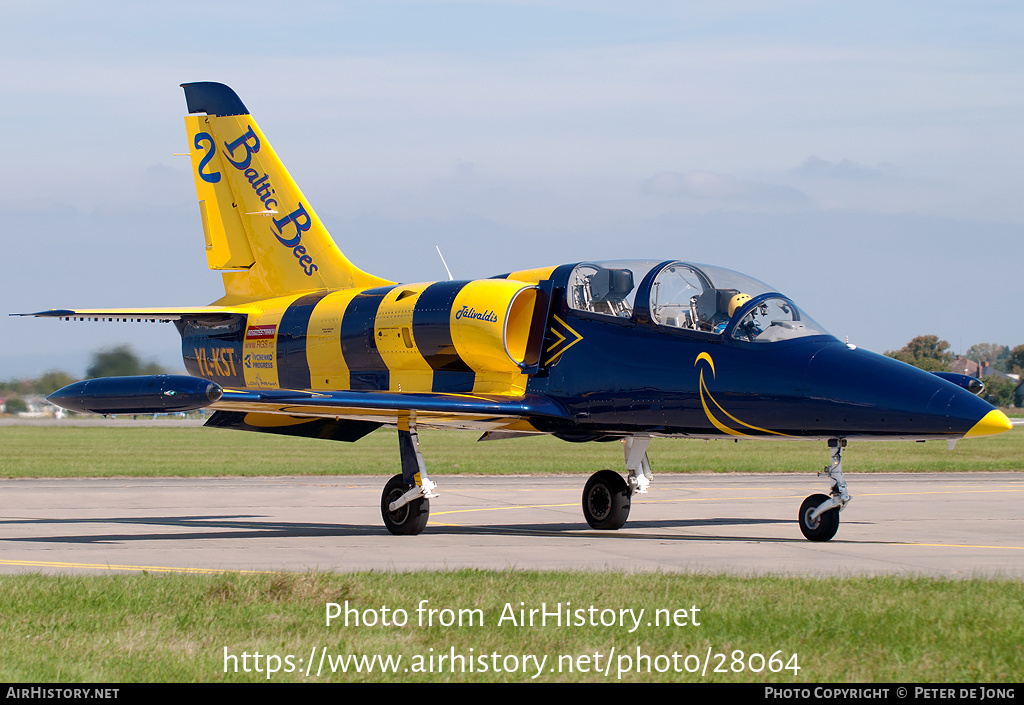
(450, 277)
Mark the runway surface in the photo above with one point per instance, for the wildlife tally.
(952, 525)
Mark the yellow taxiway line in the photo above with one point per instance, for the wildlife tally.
(134, 568)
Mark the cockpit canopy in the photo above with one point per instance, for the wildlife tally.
(688, 296)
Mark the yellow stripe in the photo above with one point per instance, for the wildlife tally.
(255, 352)
(533, 276)
(135, 568)
(327, 368)
(396, 340)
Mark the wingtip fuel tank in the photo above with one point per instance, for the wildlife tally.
(146, 394)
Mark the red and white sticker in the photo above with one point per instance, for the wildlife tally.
(260, 332)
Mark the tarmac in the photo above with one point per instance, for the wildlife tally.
(958, 525)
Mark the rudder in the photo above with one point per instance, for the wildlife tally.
(258, 226)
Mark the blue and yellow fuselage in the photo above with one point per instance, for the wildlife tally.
(505, 338)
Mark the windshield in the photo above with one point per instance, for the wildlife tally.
(705, 297)
(773, 318)
(689, 296)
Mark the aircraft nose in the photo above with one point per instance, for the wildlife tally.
(975, 415)
(990, 424)
(881, 396)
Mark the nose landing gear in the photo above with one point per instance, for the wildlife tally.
(819, 514)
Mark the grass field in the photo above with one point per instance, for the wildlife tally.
(144, 628)
(47, 451)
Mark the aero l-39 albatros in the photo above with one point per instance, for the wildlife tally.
(305, 343)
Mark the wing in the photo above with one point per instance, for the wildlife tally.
(344, 415)
(263, 410)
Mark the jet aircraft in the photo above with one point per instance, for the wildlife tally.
(304, 343)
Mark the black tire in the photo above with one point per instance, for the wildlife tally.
(826, 525)
(408, 520)
(606, 500)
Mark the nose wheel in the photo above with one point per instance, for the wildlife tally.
(822, 527)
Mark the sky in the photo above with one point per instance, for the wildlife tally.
(863, 158)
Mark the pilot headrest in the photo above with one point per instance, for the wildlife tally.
(611, 284)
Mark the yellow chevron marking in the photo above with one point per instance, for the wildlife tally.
(562, 339)
(557, 342)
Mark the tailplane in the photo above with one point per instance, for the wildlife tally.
(259, 227)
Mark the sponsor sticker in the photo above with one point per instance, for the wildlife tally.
(260, 332)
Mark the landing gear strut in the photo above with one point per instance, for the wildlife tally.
(819, 514)
(405, 501)
(606, 496)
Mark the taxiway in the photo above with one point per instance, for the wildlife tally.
(951, 525)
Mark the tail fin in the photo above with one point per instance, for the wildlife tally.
(255, 219)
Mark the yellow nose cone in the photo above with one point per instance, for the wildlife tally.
(991, 423)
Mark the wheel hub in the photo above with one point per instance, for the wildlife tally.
(402, 513)
(600, 502)
(811, 523)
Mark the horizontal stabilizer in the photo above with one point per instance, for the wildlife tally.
(161, 314)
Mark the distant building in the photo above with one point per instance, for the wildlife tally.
(963, 366)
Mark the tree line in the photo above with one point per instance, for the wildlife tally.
(930, 353)
(119, 361)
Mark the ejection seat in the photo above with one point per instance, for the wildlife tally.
(713, 308)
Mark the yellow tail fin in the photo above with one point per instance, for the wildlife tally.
(257, 223)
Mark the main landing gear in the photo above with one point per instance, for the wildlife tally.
(606, 496)
(405, 501)
(819, 514)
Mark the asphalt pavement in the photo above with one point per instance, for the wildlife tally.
(951, 525)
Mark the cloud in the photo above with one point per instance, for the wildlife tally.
(709, 186)
(818, 168)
